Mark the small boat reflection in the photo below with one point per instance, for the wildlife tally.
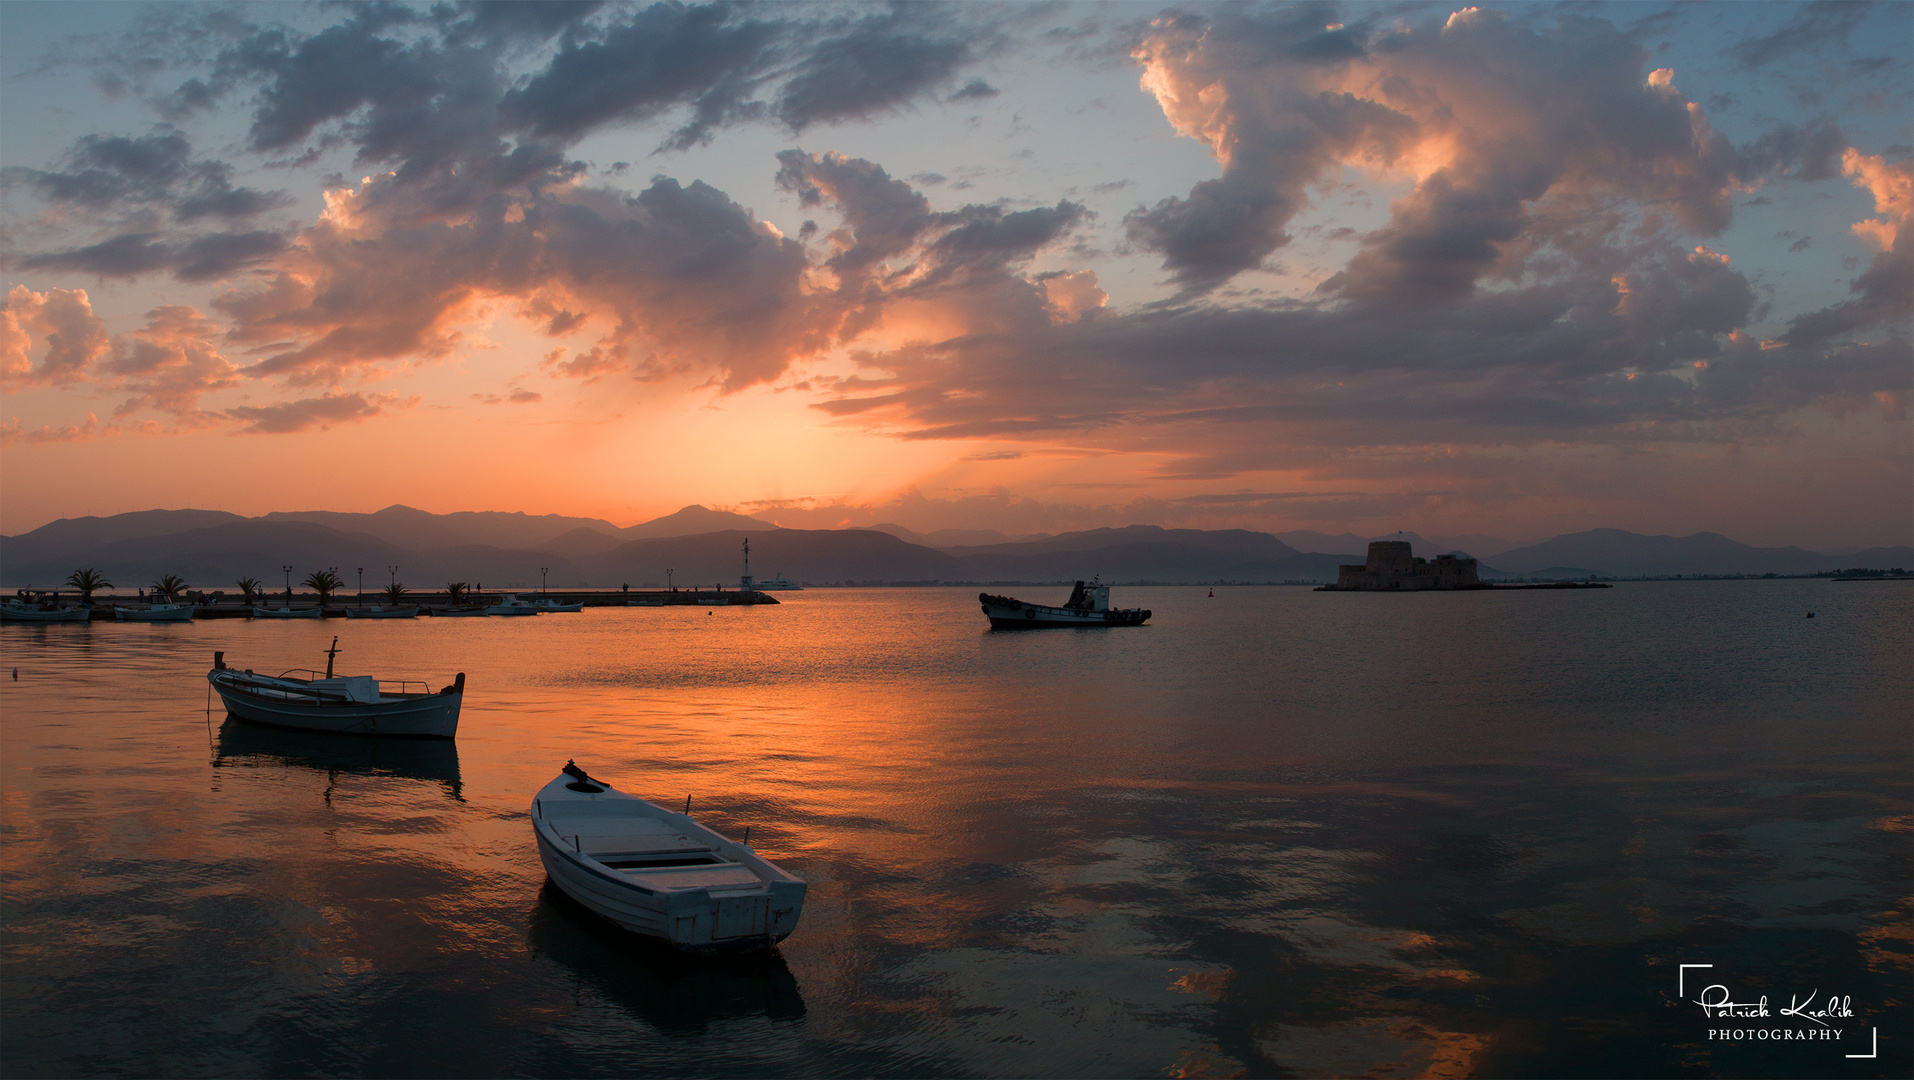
(243, 745)
(668, 989)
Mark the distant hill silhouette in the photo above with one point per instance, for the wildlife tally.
(694, 520)
(211, 549)
(1617, 553)
(419, 530)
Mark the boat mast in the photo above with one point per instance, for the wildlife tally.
(330, 653)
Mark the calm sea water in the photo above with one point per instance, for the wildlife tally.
(1273, 833)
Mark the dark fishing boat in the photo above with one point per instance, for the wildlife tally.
(1089, 605)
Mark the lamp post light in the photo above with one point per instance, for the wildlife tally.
(288, 570)
(362, 586)
(668, 587)
(392, 572)
(542, 571)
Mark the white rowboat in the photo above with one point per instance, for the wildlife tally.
(658, 873)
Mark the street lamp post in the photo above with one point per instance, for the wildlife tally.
(668, 587)
(288, 570)
(392, 572)
(542, 571)
(334, 571)
(362, 586)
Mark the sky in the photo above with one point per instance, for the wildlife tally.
(1506, 269)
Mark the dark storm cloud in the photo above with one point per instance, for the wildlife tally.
(105, 173)
(1819, 24)
(534, 20)
(127, 255)
(664, 56)
(877, 65)
(200, 258)
(1811, 151)
(975, 89)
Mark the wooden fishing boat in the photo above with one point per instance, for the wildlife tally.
(553, 605)
(658, 873)
(460, 612)
(288, 612)
(1089, 605)
(354, 704)
(154, 613)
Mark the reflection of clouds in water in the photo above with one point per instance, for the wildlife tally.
(1103, 1002)
(1378, 1047)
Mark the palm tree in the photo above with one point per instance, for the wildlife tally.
(394, 593)
(455, 592)
(323, 582)
(88, 581)
(168, 585)
(250, 587)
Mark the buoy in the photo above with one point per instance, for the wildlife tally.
(16, 674)
(1212, 592)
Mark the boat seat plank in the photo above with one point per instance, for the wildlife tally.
(695, 877)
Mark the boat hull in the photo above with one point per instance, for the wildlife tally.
(741, 916)
(383, 613)
(1005, 613)
(173, 614)
(433, 716)
(37, 615)
(288, 613)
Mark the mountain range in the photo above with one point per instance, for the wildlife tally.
(699, 546)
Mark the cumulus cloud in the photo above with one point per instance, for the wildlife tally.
(169, 364)
(60, 324)
(1503, 129)
(1884, 292)
(675, 278)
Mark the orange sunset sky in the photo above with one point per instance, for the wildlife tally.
(1497, 269)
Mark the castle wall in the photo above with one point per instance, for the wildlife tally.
(1392, 565)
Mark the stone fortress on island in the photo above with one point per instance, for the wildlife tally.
(1392, 565)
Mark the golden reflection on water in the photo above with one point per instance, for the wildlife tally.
(1195, 847)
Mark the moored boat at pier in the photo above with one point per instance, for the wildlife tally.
(510, 604)
(410, 611)
(154, 613)
(29, 610)
(658, 873)
(288, 612)
(1089, 605)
